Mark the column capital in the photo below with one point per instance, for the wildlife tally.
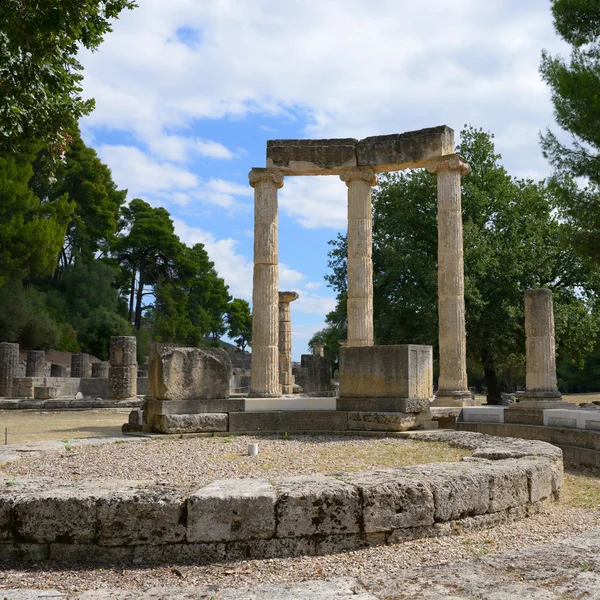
(450, 162)
(365, 173)
(260, 174)
(285, 297)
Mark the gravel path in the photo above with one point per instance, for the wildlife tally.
(191, 463)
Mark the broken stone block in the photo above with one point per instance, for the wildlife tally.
(232, 509)
(392, 499)
(45, 392)
(387, 421)
(203, 422)
(316, 504)
(189, 373)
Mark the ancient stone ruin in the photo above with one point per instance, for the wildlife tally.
(357, 164)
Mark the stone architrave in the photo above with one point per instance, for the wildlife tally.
(540, 382)
(319, 349)
(36, 363)
(9, 365)
(360, 250)
(285, 341)
(265, 297)
(122, 373)
(452, 384)
(80, 365)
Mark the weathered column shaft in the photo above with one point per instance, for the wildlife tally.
(80, 365)
(36, 363)
(360, 250)
(265, 297)
(100, 369)
(285, 341)
(9, 366)
(451, 303)
(540, 345)
(58, 370)
(122, 373)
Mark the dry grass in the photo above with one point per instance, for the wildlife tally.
(582, 487)
(582, 398)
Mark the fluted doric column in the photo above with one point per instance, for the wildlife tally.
(285, 341)
(540, 382)
(360, 251)
(264, 380)
(452, 383)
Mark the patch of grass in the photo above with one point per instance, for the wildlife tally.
(285, 436)
(11, 483)
(582, 488)
(230, 456)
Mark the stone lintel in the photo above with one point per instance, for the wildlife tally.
(410, 150)
(383, 153)
(311, 157)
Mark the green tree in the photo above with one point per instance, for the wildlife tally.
(32, 230)
(239, 321)
(99, 328)
(512, 243)
(88, 183)
(146, 249)
(40, 76)
(574, 84)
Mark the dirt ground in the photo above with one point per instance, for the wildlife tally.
(32, 426)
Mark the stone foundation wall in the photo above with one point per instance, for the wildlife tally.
(117, 521)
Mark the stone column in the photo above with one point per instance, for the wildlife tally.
(452, 383)
(264, 380)
(36, 363)
(122, 373)
(319, 349)
(540, 382)
(360, 251)
(285, 341)
(58, 370)
(343, 343)
(9, 367)
(100, 369)
(80, 365)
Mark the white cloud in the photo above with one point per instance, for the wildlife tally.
(313, 285)
(315, 201)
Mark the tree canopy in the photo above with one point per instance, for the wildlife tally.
(40, 76)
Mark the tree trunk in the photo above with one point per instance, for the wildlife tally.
(131, 297)
(508, 382)
(494, 394)
(140, 295)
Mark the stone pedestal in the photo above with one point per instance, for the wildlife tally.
(100, 369)
(452, 383)
(9, 365)
(36, 363)
(265, 297)
(541, 390)
(80, 365)
(122, 372)
(58, 370)
(285, 341)
(318, 374)
(360, 250)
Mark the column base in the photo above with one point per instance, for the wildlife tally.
(453, 398)
(540, 399)
(252, 394)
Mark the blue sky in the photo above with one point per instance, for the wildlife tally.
(189, 91)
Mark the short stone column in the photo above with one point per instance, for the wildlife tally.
(80, 365)
(285, 341)
(36, 363)
(122, 372)
(360, 251)
(9, 367)
(264, 381)
(100, 369)
(452, 384)
(58, 370)
(540, 381)
(319, 349)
